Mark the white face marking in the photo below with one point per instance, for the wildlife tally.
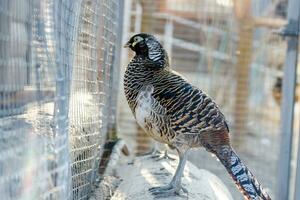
(136, 40)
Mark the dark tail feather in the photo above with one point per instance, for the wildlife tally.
(243, 178)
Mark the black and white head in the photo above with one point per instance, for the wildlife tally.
(147, 45)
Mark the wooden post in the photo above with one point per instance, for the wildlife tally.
(244, 55)
(148, 8)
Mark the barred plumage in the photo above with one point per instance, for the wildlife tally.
(173, 111)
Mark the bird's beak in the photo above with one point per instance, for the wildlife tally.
(127, 45)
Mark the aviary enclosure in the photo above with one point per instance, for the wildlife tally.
(61, 98)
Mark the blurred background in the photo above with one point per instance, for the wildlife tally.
(61, 95)
(230, 50)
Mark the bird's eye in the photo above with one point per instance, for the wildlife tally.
(137, 39)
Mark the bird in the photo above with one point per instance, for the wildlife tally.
(173, 111)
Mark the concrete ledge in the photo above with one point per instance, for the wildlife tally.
(145, 172)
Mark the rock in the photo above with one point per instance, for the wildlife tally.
(146, 172)
(104, 190)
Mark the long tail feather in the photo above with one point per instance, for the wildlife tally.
(242, 176)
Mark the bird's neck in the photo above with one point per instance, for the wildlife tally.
(138, 72)
(138, 75)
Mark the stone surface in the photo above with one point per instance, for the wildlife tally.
(145, 172)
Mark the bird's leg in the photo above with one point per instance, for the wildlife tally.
(174, 187)
(166, 156)
(155, 153)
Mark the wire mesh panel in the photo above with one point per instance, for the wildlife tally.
(229, 50)
(34, 89)
(57, 63)
(84, 102)
(91, 89)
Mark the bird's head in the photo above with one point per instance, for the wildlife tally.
(137, 43)
(144, 44)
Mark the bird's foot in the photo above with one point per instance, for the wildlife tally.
(161, 156)
(166, 156)
(155, 154)
(166, 191)
(152, 154)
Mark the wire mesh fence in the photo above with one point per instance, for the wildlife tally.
(229, 50)
(91, 90)
(57, 76)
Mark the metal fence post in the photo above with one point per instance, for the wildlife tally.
(287, 106)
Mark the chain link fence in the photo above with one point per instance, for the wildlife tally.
(58, 74)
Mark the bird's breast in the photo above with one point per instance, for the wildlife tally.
(146, 115)
(134, 79)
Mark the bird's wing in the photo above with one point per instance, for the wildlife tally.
(191, 110)
(195, 114)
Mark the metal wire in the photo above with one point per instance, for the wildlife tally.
(91, 89)
(57, 65)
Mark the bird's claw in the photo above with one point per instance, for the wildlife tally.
(158, 156)
(155, 154)
(165, 156)
(162, 188)
(166, 191)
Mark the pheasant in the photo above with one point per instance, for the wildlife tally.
(173, 111)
